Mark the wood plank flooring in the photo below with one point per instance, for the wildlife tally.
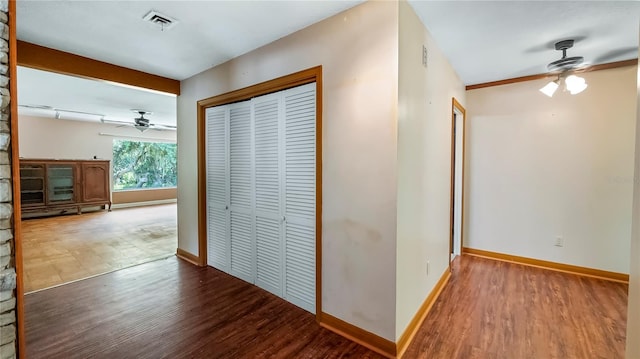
(493, 309)
(61, 249)
(170, 308)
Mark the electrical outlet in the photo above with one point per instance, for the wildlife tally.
(427, 267)
(559, 241)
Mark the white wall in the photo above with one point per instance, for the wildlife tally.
(359, 55)
(48, 138)
(424, 165)
(633, 317)
(42, 137)
(541, 167)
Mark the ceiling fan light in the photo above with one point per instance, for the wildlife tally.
(575, 84)
(550, 88)
(142, 128)
(578, 88)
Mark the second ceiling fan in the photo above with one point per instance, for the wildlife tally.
(142, 123)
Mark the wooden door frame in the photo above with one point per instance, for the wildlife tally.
(311, 75)
(15, 174)
(456, 106)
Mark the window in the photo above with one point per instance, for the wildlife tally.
(143, 165)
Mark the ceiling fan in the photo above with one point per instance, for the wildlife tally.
(565, 67)
(141, 123)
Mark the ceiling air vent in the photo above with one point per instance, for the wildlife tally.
(162, 21)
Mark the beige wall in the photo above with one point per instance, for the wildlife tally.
(359, 54)
(424, 165)
(633, 318)
(42, 137)
(543, 167)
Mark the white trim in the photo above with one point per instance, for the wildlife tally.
(157, 139)
(141, 204)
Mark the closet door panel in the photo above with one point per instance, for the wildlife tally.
(242, 262)
(299, 195)
(300, 288)
(241, 192)
(267, 112)
(217, 187)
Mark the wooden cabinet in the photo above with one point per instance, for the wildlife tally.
(60, 186)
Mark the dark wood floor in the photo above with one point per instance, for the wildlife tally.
(493, 309)
(172, 309)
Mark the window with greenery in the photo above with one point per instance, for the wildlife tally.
(140, 165)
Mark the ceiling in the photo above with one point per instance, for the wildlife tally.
(208, 33)
(484, 40)
(42, 88)
(496, 40)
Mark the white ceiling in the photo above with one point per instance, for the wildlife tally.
(496, 40)
(42, 88)
(484, 40)
(208, 33)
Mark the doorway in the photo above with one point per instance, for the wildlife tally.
(74, 160)
(458, 114)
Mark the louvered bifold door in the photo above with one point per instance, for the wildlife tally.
(217, 141)
(268, 217)
(242, 263)
(300, 196)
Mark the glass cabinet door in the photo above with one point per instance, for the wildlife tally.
(60, 183)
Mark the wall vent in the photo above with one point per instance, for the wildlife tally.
(424, 55)
(162, 21)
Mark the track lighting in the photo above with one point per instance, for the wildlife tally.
(572, 83)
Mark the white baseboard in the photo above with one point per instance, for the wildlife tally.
(141, 204)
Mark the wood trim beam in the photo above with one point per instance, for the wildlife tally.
(303, 77)
(559, 267)
(421, 314)
(189, 257)
(15, 173)
(282, 83)
(358, 335)
(47, 59)
(610, 65)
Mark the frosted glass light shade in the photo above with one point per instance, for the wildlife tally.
(550, 88)
(575, 84)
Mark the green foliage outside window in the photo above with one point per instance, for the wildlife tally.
(139, 165)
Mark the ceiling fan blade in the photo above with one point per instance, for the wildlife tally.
(115, 121)
(616, 55)
(158, 126)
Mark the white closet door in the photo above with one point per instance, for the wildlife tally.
(267, 112)
(300, 196)
(217, 187)
(242, 264)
